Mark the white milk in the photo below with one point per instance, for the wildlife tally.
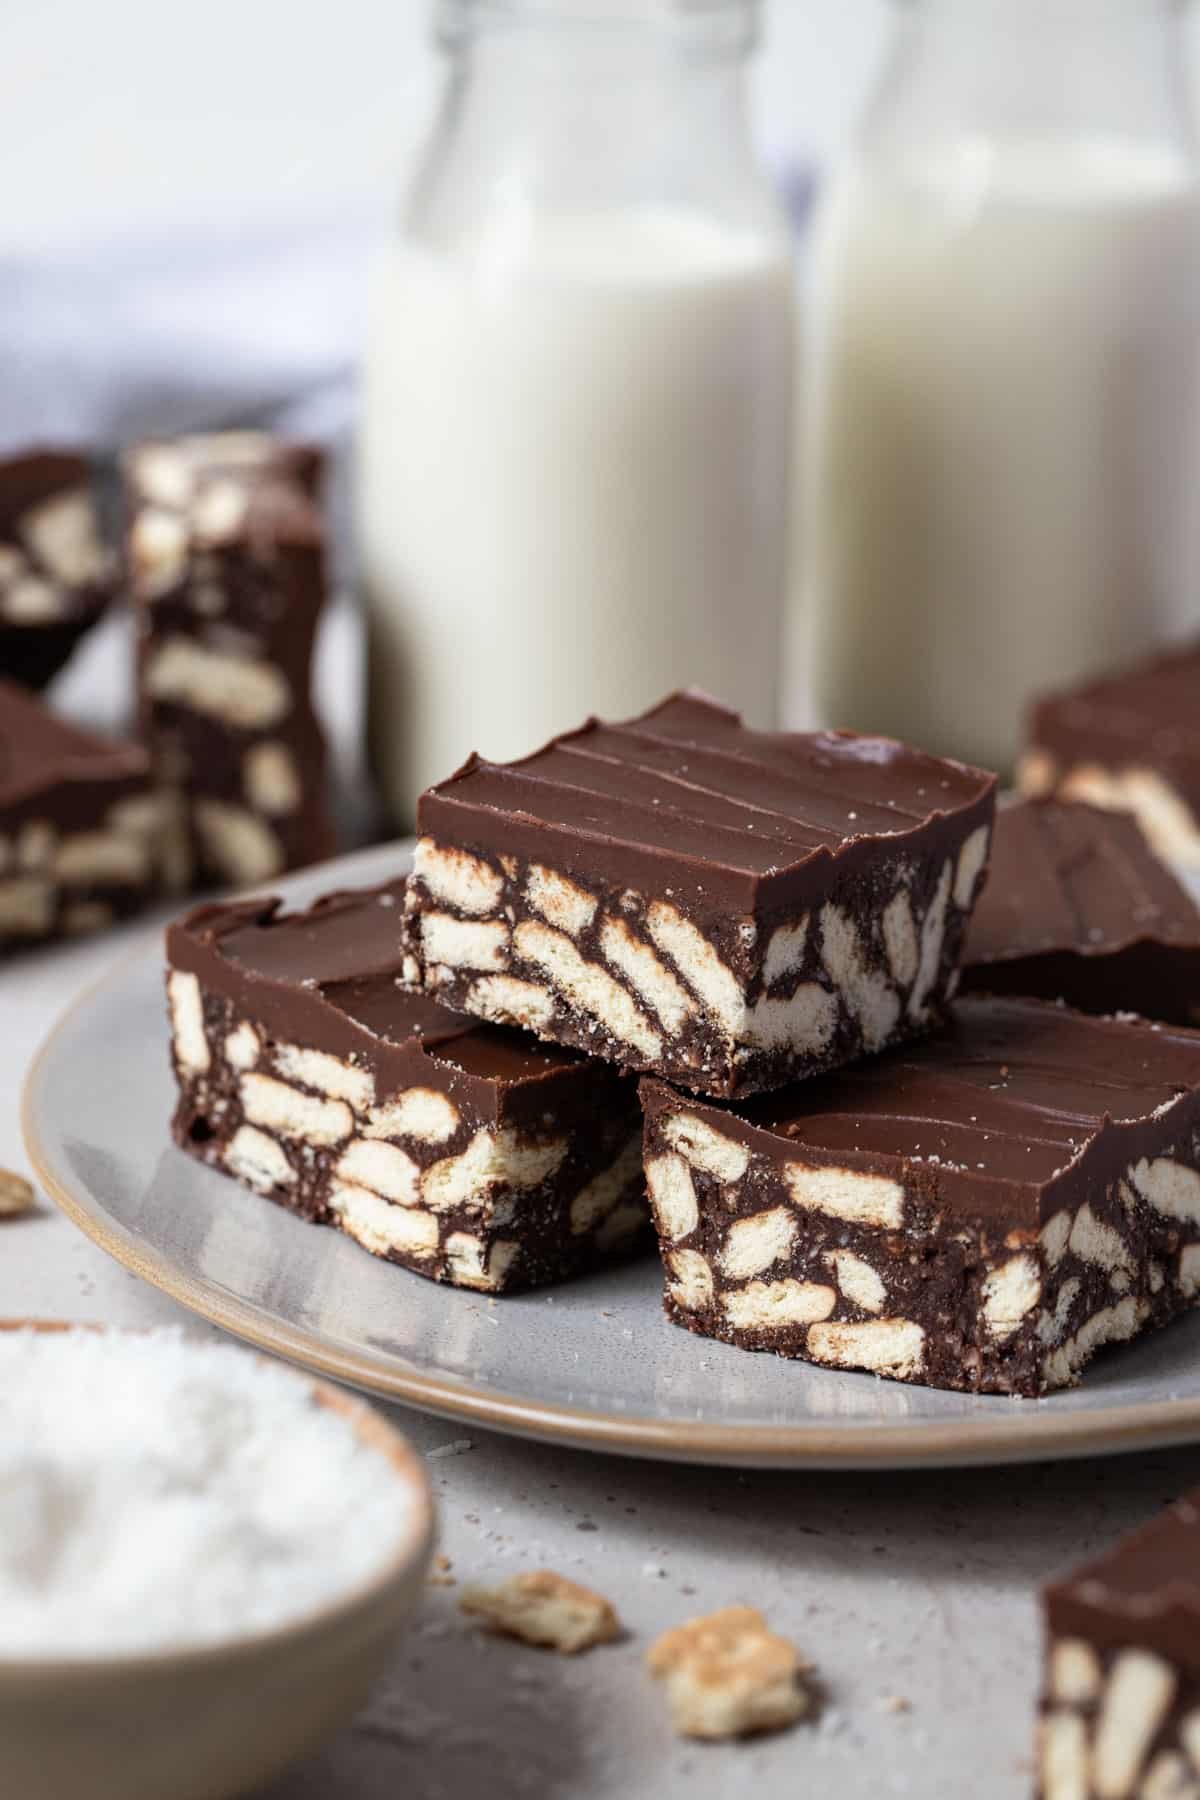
(1001, 444)
(574, 484)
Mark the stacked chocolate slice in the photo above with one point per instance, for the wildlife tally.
(56, 574)
(228, 582)
(471, 1154)
(769, 929)
(78, 825)
(225, 779)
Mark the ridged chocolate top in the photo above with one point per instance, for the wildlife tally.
(1008, 1096)
(1146, 714)
(41, 753)
(736, 815)
(1144, 1591)
(1078, 878)
(328, 978)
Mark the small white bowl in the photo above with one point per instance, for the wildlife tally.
(212, 1723)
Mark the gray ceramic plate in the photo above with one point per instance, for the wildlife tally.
(592, 1364)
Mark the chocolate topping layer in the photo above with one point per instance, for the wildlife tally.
(1078, 906)
(1146, 1591)
(1145, 715)
(40, 752)
(1010, 1095)
(329, 977)
(687, 794)
(1074, 877)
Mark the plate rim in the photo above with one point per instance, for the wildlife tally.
(1033, 1433)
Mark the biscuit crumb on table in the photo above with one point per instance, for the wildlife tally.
(729, 1675)
(16, 1194)
(546, 1609)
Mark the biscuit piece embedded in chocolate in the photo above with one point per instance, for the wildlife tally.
(227, 569)
(1121, 1702)
(729, 908)
(1078, 907)
(1130, 740)
(56, 575)
(78, 825)
(466, 1152)
(980, 1211)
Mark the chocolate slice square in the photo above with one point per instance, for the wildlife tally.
(1130, 740)
(980, 1211)
(466, 1152)
(730, 908)
(78, 825)
(1078, 907)
(56, 574)
(1121, 1702)
(227, 569)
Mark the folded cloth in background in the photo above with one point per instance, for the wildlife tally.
(183, 334)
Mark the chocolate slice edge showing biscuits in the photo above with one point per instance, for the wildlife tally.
(462, 1151)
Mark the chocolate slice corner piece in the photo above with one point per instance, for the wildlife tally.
(228, 580)
(468, 1153)
(1120, 1710)
(79, 825)
(1129, 740)
(731, 909)
(980, 1211)
(56, 574)
(1078, 907)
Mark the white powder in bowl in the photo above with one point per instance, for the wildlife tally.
(161, 1493)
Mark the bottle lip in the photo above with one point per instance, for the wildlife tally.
(722, 26)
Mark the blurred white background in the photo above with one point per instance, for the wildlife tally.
(118, 117)
(188, 193)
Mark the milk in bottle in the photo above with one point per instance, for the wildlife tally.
(1002, 440)
(574, 472)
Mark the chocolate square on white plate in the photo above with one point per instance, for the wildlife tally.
(983, 1210)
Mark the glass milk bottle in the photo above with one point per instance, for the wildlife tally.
(1001, 432)
(574, 470)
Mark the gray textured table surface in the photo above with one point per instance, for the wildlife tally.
(912, 1587)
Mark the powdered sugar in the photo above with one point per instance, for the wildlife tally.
(161, 1493)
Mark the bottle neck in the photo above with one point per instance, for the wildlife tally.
(1034, 69)
(558, 106)
(720, 28)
